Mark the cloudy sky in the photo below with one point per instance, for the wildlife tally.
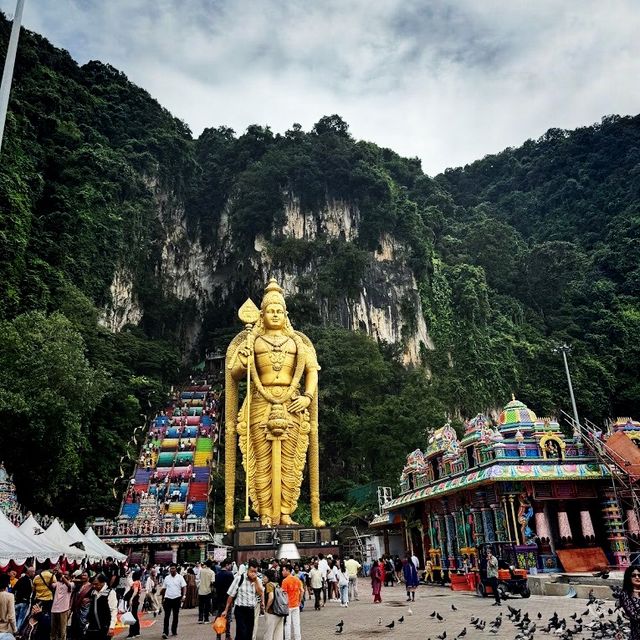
(448, 81)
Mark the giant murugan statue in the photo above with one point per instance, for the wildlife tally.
(278, 420)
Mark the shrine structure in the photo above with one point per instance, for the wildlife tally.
(543, 500)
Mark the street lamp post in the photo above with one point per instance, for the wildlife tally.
(564, 349)
(7, 74)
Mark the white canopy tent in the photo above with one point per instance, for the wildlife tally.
(94, 551)
(18, 546)
(56, 534)
(32, 529)
(92, 536)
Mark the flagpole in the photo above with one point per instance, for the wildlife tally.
(7, 74)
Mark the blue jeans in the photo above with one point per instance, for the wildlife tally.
(344, 593)
(22, 610)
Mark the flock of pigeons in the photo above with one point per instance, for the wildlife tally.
(597, 622)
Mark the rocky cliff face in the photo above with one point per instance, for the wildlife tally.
(202, 275)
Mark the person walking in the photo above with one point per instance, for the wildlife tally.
(353, 566)
(7, 607)
(343, 584)
(492, 576)
(275, 624)
(173, 594)
(223, 580)
(43, 584)
(152, 591)
(134, 603)
(411, 580)
(205, 586)
(316, 582)
(294, 589)
(376, 581)
(103, 610)
(243, 594)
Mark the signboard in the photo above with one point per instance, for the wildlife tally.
(219, 554)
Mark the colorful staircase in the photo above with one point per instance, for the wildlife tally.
(172, 477)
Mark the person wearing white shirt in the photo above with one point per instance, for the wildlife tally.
(323, 566)
(173, 592)
(416, 562)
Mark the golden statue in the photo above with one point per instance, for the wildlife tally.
(278, 420)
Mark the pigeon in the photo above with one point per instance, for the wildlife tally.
(439, 617)
(340, 624)
(539, 616)
(401, 619)
(339, 630)
(443, 636)
(462, 633)
(453, 607)
(432, 615)
(391, 624)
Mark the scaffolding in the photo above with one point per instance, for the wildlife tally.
(625, 489)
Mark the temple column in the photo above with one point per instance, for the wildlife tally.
(633, 526)
(461, 529)
(487, 520)
(563, 524)
(543, 527)
(174, 552)
(451, 542)
(616, 535)
(478, 529)
(498, 514)
(203, 551)
(514, 520)
(442, 541)
(588, 532)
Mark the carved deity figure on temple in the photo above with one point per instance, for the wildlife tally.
(277, 423)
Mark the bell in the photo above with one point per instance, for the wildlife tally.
(288, 551)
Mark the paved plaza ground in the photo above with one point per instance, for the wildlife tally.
(361, 618)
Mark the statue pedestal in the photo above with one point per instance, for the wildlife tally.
(252, 540)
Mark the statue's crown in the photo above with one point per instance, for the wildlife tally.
(273, 293)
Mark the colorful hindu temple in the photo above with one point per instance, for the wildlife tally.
(544, 500)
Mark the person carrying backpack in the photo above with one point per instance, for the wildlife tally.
(275, 624)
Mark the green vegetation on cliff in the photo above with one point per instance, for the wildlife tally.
(512, 254)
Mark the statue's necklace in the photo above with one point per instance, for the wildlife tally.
(276, 354)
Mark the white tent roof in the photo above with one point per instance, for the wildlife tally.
(32, 529)
(57, 535)
(19, 546)
(93, 550)
(92, 536)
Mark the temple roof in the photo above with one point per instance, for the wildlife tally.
(443, 440)
(476, 430)
(516, 416)
(625, 424)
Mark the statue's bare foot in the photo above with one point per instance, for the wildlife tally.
(319, 523)
(265, 521)
(286, 519)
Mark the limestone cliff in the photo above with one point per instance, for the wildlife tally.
(203, 275)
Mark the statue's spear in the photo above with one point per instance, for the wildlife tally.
(249, 314)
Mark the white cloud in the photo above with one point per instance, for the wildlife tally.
(448, 81)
